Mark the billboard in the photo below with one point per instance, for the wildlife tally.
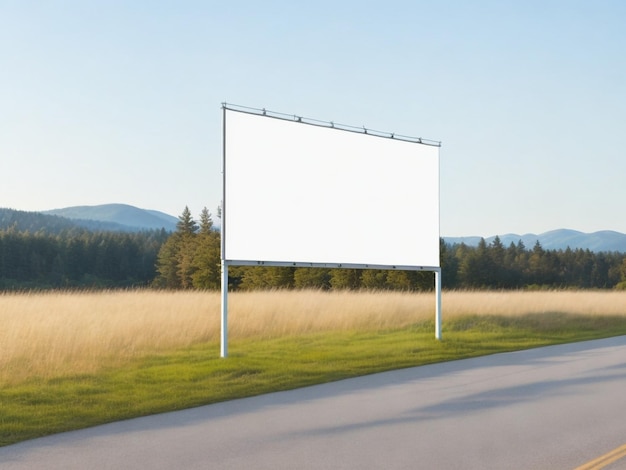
(309, 194)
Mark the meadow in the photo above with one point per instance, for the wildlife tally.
(75, 359)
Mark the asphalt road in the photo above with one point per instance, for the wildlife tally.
(549, 408)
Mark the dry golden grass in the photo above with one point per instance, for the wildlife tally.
(52, 333)
(524, 302)
(56, 333)
(279, 313)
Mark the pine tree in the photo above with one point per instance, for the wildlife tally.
(266, 277)
(399, 280)
(207, 259)
(175, 259)
(186, 224)
(622, 284)
(374, 279)
(341, 278)
(206, 222)
(311, 278)
(476, 267)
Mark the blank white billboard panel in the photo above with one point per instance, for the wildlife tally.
(301, 193)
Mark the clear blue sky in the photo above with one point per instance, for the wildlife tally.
(119, 101)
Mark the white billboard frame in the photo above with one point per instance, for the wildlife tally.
(260, 256)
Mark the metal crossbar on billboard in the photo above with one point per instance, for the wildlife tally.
(330, 124)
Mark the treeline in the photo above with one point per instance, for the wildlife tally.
(79, 258)
(495, 266)
(191, 259)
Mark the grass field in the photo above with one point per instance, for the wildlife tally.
(70, 360)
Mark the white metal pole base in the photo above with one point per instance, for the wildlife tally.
(224, 311)
(438, 304)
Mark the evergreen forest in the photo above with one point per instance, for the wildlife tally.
(65, 256)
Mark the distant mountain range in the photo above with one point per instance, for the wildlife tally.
(122, 216)
(107, 217)
(127, 218)
(605, 240)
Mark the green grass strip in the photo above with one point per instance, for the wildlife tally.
(197, 376)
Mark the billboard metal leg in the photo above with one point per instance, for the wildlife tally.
(224, 329)
(438, 304)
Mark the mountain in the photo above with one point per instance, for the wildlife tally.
(124, 217)
(605, 240)
(33, 222)
(116, 217)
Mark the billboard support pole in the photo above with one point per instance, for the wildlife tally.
(438, 304)
(224, 327)
(224, 265)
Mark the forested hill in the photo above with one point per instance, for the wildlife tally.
(35, 222)
(120, 217)
(103, 218)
